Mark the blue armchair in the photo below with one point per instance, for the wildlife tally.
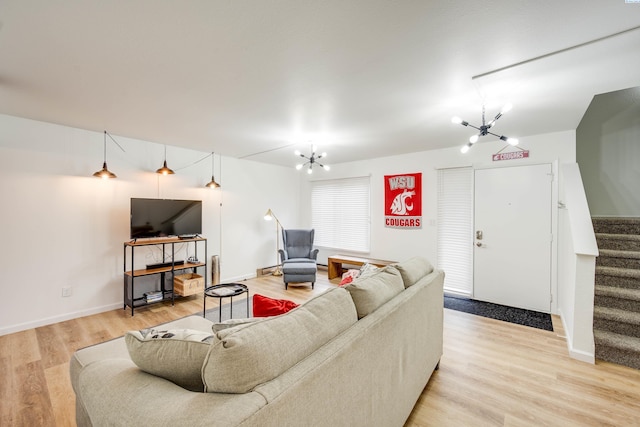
(298, 257)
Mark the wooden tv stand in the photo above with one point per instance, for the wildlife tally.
(335, 262)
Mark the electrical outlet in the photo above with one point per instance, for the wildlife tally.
(66, 292)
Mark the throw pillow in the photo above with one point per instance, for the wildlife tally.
(367, 270)
(413, 270)
(264, 306)
(372, 291)
(349, 276)
(175, 355)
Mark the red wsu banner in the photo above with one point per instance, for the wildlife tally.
(403, 200)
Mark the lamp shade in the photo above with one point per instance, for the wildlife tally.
(104, 173)
(164, 170)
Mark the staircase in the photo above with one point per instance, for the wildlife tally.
(616, 312)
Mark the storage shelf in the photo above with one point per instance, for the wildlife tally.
(148, 271)
(135, 301)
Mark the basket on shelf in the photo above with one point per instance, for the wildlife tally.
(188, 284)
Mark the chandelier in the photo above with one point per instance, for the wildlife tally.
(484, 129)
(311, 160)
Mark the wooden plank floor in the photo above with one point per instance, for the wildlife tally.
(492, 373)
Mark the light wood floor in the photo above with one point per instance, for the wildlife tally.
(491, 373)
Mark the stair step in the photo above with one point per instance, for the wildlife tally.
(618, 258)
(615, 292)
(620, 298)
(619, 277)
(616, 225)
(616, 348)
(616, 314)
(628, 242)
(617, 320)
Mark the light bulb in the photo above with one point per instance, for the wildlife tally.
(309, 171)
(455, 119)
(465, 148)
(314, 148)
(297, 152)
(506, 108)
(323, 155)
(513, 141)
(299, 166)
(326, 167)
(474, 139)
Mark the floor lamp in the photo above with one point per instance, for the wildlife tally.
(268, 217)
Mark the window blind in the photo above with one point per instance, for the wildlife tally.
(340, 213)
(455, 228)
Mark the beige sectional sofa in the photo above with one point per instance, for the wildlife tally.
(354, 356)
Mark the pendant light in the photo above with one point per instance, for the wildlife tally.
(484, 129)
(105, 173)
(164, 170)
(212, 184)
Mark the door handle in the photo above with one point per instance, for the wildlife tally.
(479, 234)
(479, 244)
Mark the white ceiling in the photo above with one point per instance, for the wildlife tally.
(359, 78)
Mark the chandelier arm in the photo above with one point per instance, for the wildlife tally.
(477, 128)
(491, 133)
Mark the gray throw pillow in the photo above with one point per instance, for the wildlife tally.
(176, 355)
(372, 291)
(413, 270)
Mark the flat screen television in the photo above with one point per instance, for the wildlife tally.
(165, 217)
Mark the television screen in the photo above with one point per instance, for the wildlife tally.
(164, 217)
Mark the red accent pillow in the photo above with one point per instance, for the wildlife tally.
(265, 306)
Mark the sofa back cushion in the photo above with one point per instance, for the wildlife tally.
(252, 354)
(413, 270)
(373, 290)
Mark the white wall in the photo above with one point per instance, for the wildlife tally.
(64, 228)
(608, 153)
(395, 244)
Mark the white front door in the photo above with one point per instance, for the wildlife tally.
(512, 231)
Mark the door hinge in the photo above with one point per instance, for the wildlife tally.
(551, 298)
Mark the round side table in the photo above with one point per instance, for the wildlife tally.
(225, 290)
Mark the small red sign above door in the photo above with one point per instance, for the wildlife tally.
(511, 156)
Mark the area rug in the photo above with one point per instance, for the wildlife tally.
(518, 316)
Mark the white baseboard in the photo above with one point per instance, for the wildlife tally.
(581, 355)
(55, 319)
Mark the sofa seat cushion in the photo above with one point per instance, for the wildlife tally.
(413, 270)
(252, 354)
(264, 306)
(373, 290)
(176, 355)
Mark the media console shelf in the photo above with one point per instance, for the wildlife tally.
(168, 244)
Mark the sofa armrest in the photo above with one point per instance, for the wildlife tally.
(116, 392)
(314, 254)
